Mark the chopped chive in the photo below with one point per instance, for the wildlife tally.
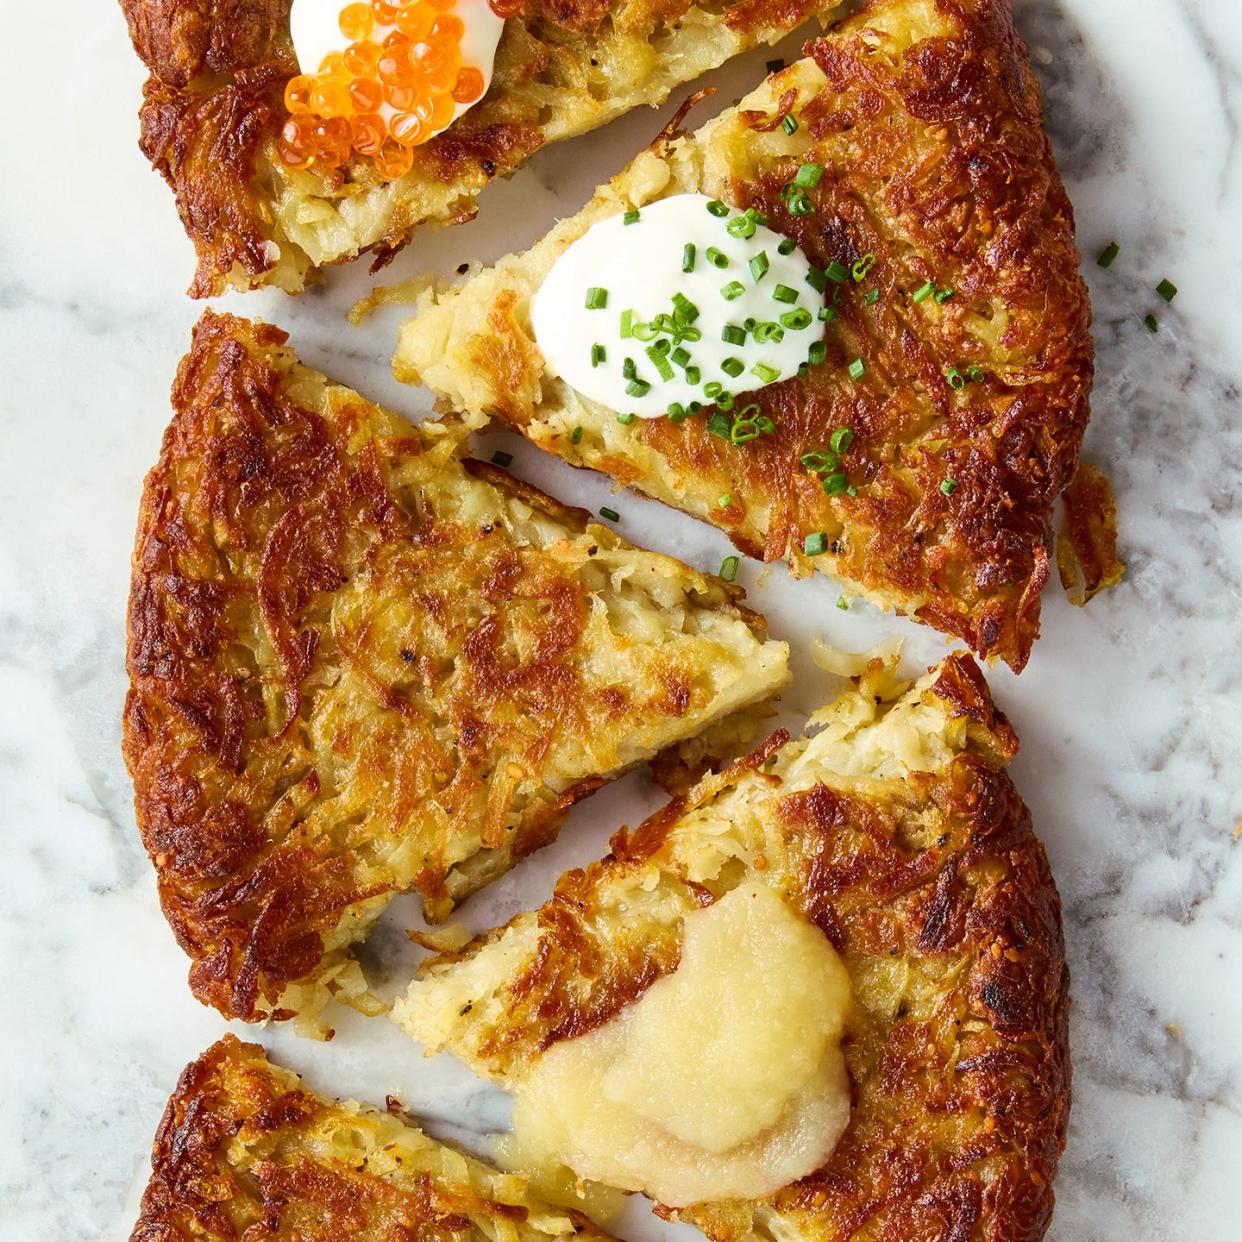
(717, 208)
(611, 514)
(688, 251)
(695, 407)
(663, 368)
(1108, 255)
(731, 334)
(596, 298)
(728, 568)
(797, 319)
(598, 354)
(684, 310)
(807, 177)
(857, 369)
(873, 296)
(1153, 324)
(1167, 290)
(744, 430)
(800, 204)
(949, 486)
(733, 367)
(720, 425)
(713, 389)
(783, 293)
(827, 314)
(501, 458)
(759, 266)
(804, 369)
(862, 267)
(626, 419)
(576, 438)
(789, 123)
(976, 374)
(923, 293)
(817, 278)
(741, 226)
(631, 216)
(637, 388)
(815, 544)
(628, 369)
(851, 490)
(724, 501)
(768, 331)
(732, 291)
(717, 258)
(627, 324)
(945, 295)
(764, 372)
(836, 483)
(676, 412)
(838, 273)
(955, 377)
(725, 401)
(819, 461)
(765, 424)
(843, 603)
(661, 346)
(680, 356)
(693, 375)
(841, 439)
(787, 246)
(816, 352)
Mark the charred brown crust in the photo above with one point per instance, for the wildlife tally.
(244, 1151)
(213, 108)
(940, 900)
(341, 689)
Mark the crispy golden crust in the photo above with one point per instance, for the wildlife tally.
(927, 122)
(244, 1151)
(1087, 559)
(360, 665)
(213, 107)
(935, 891)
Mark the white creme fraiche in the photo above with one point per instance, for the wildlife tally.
(637, 262)
(725, 1080)
(314, 27)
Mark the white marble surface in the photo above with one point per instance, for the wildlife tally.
(1129, 711)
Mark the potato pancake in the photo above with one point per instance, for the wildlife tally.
(245, 1150)
(949, 393)
(896, 832)
(362, 663)
(213, 108)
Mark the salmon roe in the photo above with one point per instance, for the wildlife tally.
(399, 81)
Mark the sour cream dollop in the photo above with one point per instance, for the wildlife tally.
(315, 27)
(677, 302)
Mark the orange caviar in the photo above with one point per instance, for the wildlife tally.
(397, 82)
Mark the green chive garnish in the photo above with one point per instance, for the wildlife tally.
(713, 389)
(627, 324)
(728, 568)
(873, 296)
(838, 273)
(628, 368)
(733, 367)
(731, 334)
(502, 458)
(759, 266)
(680, 356)
(840, 440)
(807, 177)
(684, 310)
(693, 375)
(843, 603)
(800, 204)
(827, 314)
(1167, 290)
(923, 293)
(764, 372)
(955, 377)
(626, 419)
(676, 412)
(717, 208)
(817, 278)
(741, 226)
(1153, 324)
(724, 501)
(789, 124)
(611, 514)
(733, 290)
(787, 246)
(637, 388)
(719, 425)
(858, 369)
(783, 293)
(797, 319)
(716, 257)
(576, 438)
(596, 298)
(945, 295)
(598, 354)
(817, 352)
(631, 216)
(815, 544)
(862, 267)
(1108, 254)
(819, 461)
(658, 360)
(949, 486)
(836, 483)
(688, 252)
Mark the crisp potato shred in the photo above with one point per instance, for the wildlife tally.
(895, 830)
(244, 1150)
(937, 172)
(214, 104)
(362, 663)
